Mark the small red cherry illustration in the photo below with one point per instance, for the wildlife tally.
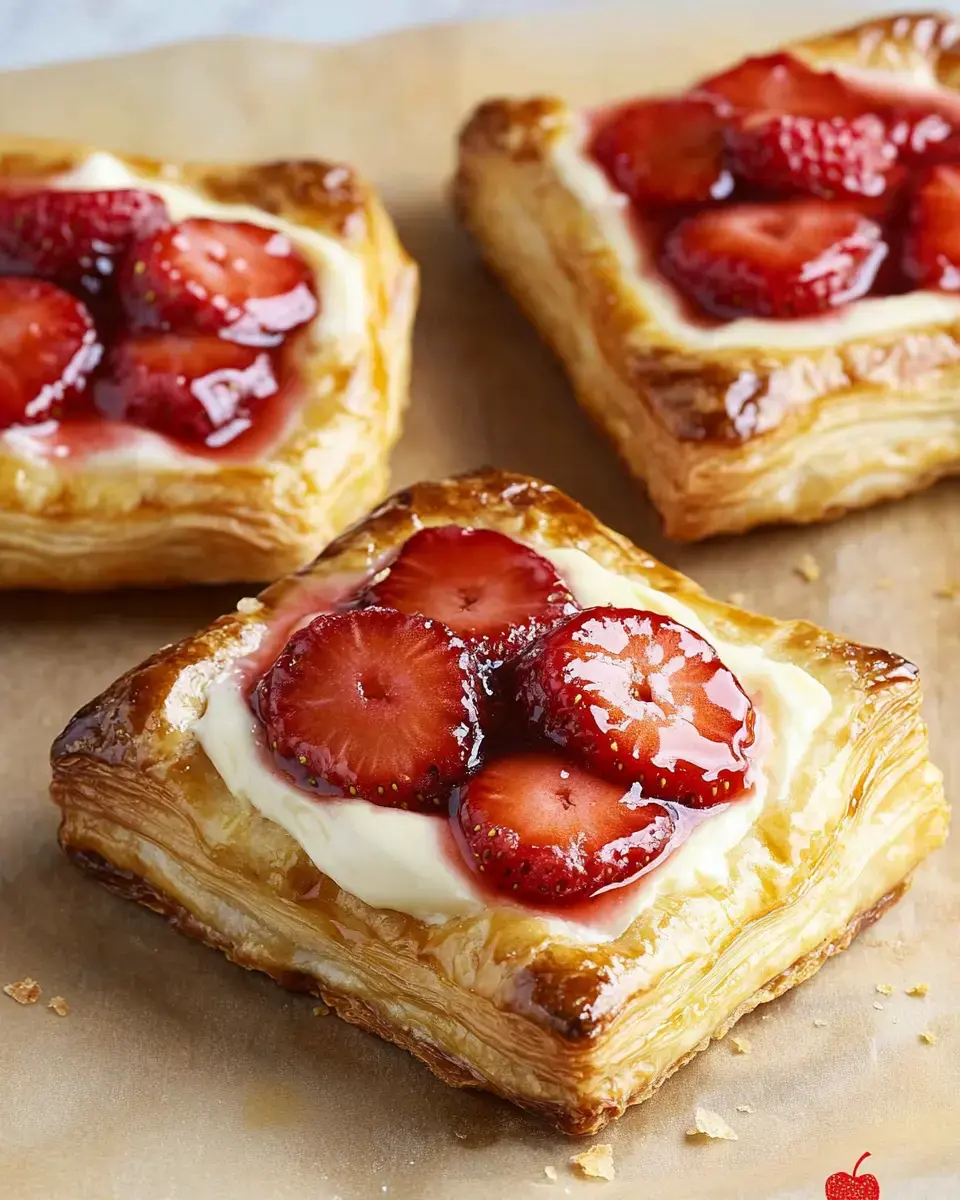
(842, 1186)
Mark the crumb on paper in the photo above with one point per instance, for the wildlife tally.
(878, 1005)
(928, 1037)
(551, 1173)
(596, 1163)
(918, 989)
(741, 1045)
(24, 991)
(249, 605)
(737, 598)
(885, 989)
(712, 1125)
(765, 1016)
(819, 1022)
(885, 583)
(59, 1006)
(745, 1108)
(950, 591)
(321, 1010)
(808, 568)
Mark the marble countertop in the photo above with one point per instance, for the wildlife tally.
(42, 31)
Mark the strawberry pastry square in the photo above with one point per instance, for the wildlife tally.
(506, 791)
(203, 368)
(752, 283)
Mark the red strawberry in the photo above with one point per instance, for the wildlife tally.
(932, 245)
(537, 826)
(826, 156)
(665, 152)
(74, 237)
(783, 84)
(198, 389)
(490, 590)
(639, 698)
(245, 282)
(794, 259)
(48, 347)
(374, 703)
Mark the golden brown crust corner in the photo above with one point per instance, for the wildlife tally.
(78, 531)
(709, 430)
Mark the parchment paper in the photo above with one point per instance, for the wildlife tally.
(177, 1075)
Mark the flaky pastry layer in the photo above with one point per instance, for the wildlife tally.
(85, 525)
(724, 438)
(501, 1000)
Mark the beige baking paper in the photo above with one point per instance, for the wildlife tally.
(177, 1076)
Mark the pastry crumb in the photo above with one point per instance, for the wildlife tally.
(321, 1010)
(765, 1016)
(24, 991)
(745, 1108)
(551, 1173)
(737, 598)
(878, 1005)
(950, 591)
(248, 605)
(884, 583)
(928, 1037)
(712, 1125)
(819, 1022)
(885, 989)
(808, 568)
(596, 1163)
(59, 1006)
(741, 1045)
(918, 989)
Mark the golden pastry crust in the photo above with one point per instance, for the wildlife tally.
(98, 525)
(574, 1031)
(725, 438)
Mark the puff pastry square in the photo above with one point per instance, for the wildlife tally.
(158, 513)
(572, 1021)
(748, 422)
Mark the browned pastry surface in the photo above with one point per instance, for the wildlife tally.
(103, 525)
(724, 438)
(577, 1030)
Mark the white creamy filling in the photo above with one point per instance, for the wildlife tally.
(861, 319)
(401, 860)
(342, 315)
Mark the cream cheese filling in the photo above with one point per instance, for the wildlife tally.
(402, 860)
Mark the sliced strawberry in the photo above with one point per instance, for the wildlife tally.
(247, 283)
(639, 698)
(826, 156)
(794, 259)
(490, 590)
(197, 389)
(76, 238)
(665, 152)
(540, 827)
(932, 243)
(374, 703)
(783, 84)
(48, 347)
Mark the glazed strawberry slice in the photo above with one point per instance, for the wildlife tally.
(665, 152)
(794, 259)
(639, 698)
(75, 238)
(374, 703)
(543, 829)
(783, 84)
(48, 347)
(489, 589)
(196, 389)
(247, 283)
(932, 242)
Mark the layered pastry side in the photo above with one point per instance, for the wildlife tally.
(203, 369)
(754, 284)
(506, 791)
